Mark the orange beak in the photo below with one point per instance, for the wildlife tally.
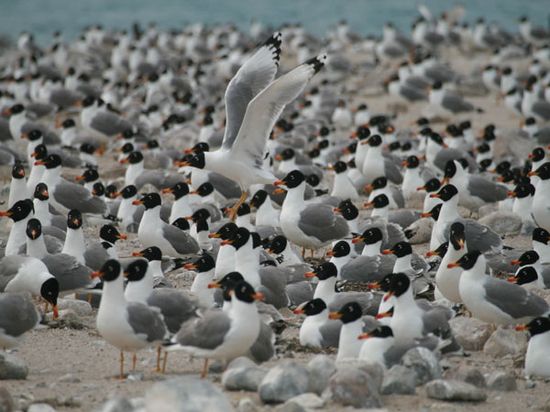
(298, 311)
(520, 328)
(404, 163)
(190, 266)
(425, 214)
(453, 265)
(383, 314)
(226, 242)
(444, 181)
(214, 285)
(363, 336)
(167, 190)
(79, 178)
(357, 239)
(55, 312)
(515, 262)
(39, 163)
(137, 254)
(373, 285)
(512, 279)
(279, 191)
(24, 135)
(421, 188)
(309, 275)
(278, 182)
(188, 151)
(96, 274)
(278, 157)
(124, 161)
(386, 297)
(532, 173)
(258, 296)
(182, 164)
(6, 213)
(368, 188)
(368, 205)
(511, 193)
(122, 236)
(214, 235)
(435, 196)
(387, 252)
(137, 202)
(431, 253)
(337, 210)
(330, 253)
(334, 315)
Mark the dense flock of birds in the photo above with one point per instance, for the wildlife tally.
(173, 131)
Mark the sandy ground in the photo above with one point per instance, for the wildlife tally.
(75, 369)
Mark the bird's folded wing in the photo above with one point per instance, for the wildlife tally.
(264, 110)
(253, 76)
(207, 332)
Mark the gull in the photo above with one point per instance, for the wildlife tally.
(537, 363)
(349, 345)
(317, 330)
(495, 300)
(18, 185)
(241, 155)
(129, 326)
(18, 315)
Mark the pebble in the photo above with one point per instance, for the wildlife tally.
(353, 387)
(424, 364)
(400, 380)
(243, 378)
(470, 333)
(118, 404)
(320, 369)
(467, 374)
(453, 390)
(529, 384)
(12, 367)
(374, 370)
(284, 381)
(6, 401)
(79, 307)
(40, 407)
(69, 378)
(247, 405)
(302, 403)
(186, 394)
(502, 381)
(505, 342)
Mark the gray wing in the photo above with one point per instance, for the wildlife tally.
(64, 97)
(181, 241)
(73, 196)
(543, 135)
(369, 302)
(95, 256)
(513, 299)
(403, 217)
(17, 313)
(486, 190)
(398, 197)
(300, 292)
(330, 333)
(412, 93)
(109, 123)
(40, 109)
(152, 177)
(146, 321)
(207, 332)
(53, 232)
(274, 286)
(456, 103)
(541, 109)
(253, 76)
(175, 305)
(392, 172)
(479, 237)
(226, 187)
(263, 348)
(367, 268)
(444, 155)
(70, 274)
(319, 221)
(9, 266)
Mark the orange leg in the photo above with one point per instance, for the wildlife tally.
(121, 365)
(236, 206)
(158, 358)
(204, 369)
(134, 361)
(165, 360)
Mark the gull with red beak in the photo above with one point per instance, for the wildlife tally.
(317, 330)
(129, 326)
(219, 334)
(18, 185)
(537, 362)
(249, 125)
(495, 300)
(541, 212)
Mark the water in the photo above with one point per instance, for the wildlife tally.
(43, 17)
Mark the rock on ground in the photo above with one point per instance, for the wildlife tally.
(117, 404)
(374, 370)
(243, 374)
(451, 390)
(353, 387)
(502, 381)
(424, 363)
(320, 369)
(302, 403)
(505, 342)
(6, 401)
(400, 380)
(470, 333)
(40, 407)
(186, 394)
(12, 367)
(467, 374)
(284, 381)
(247, 405)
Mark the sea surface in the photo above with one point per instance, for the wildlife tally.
(43, 17)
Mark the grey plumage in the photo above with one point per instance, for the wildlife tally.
(73, 196)
(300, 292)
(330, 333)
(146, 322)
(486, 190)
(181, 241)
(514, 300)
(175, 305)
(17, 314)
(263, 348)
(206, 332)
(367, 268)
(109, 124)
(320, 222)
(70, 274)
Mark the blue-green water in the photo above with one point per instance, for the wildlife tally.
(43, 17)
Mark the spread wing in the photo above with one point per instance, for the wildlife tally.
(264, 110)
(253, 76)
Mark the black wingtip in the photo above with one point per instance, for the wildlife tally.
(317, 62)
(275, 42)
